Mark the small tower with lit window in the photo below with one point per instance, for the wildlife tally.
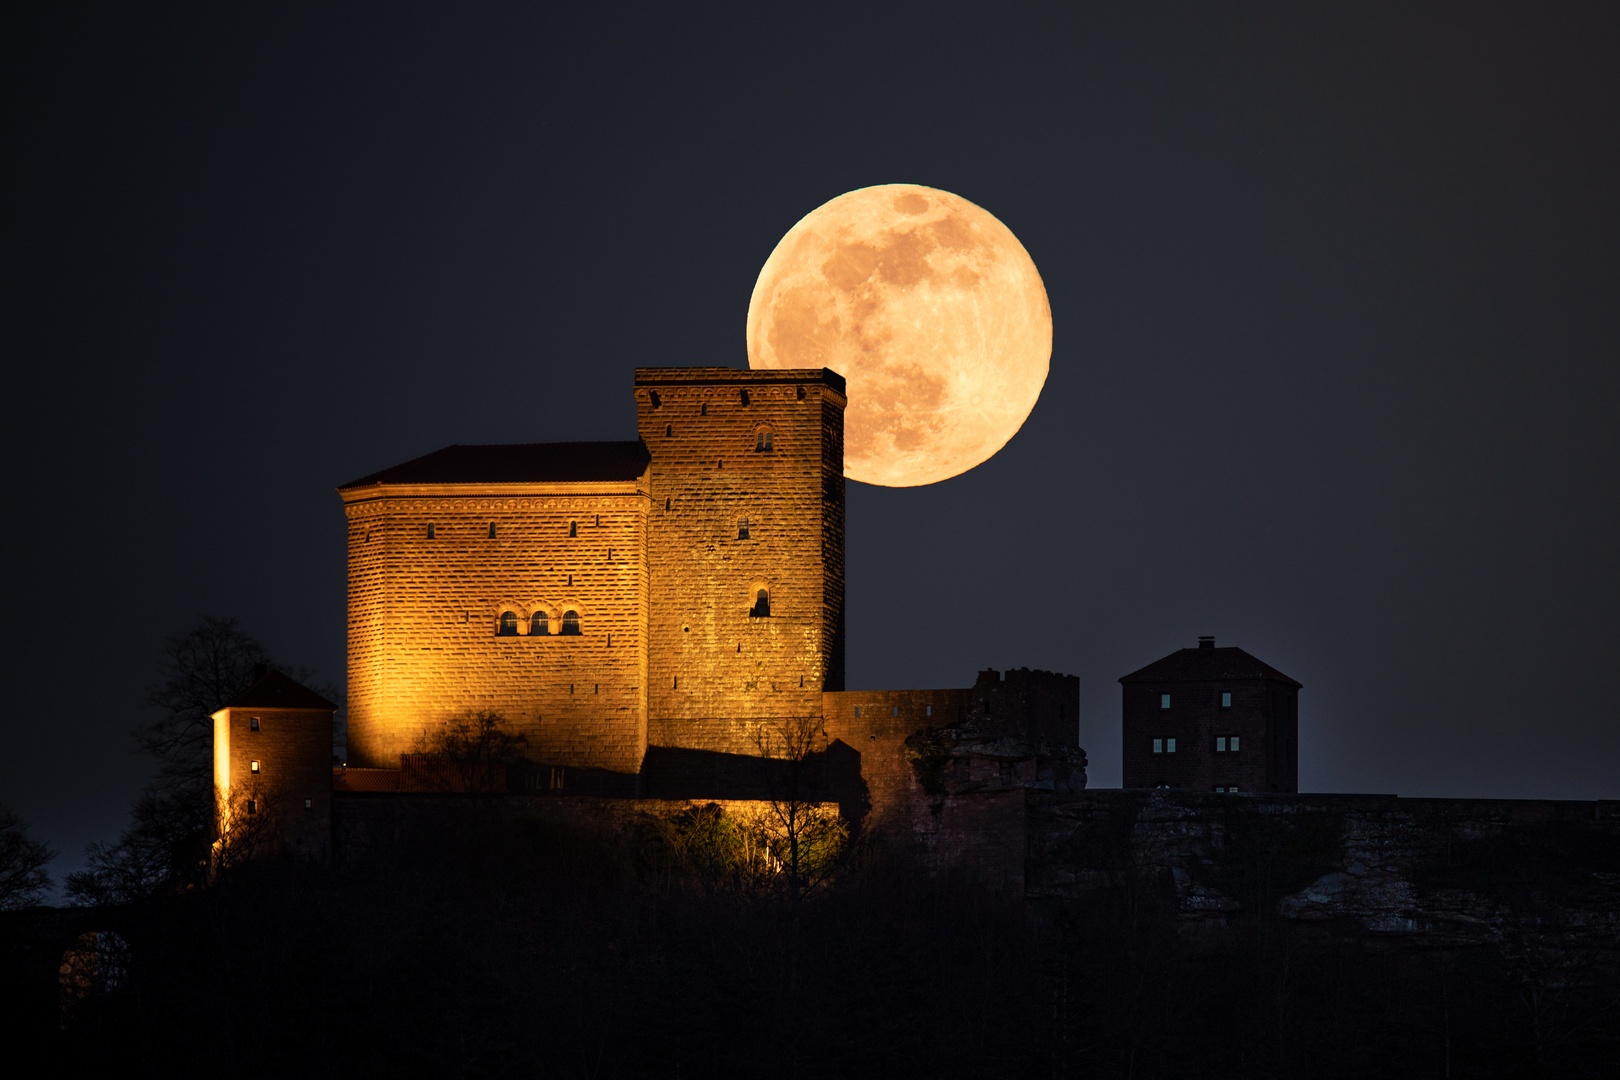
(273, 768)
(1209, 719)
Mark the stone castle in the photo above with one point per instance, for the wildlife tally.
(644, 615)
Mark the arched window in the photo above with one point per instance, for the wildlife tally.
(762, 604)
(539, 625)
(742, 529)
(570, 622)
(762, 441)
(508, 624)
(573, 528)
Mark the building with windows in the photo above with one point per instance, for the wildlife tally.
(646, 615)
(273, 765)
(1211, 719)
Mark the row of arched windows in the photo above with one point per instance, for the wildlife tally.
(539, 624)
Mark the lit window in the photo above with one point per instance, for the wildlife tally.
(308, 803)
(1232, 744)
(254, 767)
(508, 624)
(253, 724)
(1220, 744)
(1164, 701)
(762, 442)
(492, 530)
(570, 622)
(742, 529)
(1219, 789)
(1158, 746)
(1226, 699)
(1169, 746)
(539, 625)
(762, 605)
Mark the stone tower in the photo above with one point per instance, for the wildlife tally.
(745, 549)
(1209, 719)
(677, 590)
(273, 764)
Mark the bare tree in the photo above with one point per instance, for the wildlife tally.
(203, 668)
(168, 841)
(23, 880)
(474, 752)
(803, 836)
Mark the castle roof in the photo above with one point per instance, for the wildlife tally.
(1208, 664)
(518, 463)
(277, 691)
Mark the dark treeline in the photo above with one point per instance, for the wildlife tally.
(488, 946)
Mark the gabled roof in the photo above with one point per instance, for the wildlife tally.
(277, 691)
(1208, 664)
(518, 463)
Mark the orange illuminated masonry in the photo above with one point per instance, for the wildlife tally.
(273, 751)
(644, 612)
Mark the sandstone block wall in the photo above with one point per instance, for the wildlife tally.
(875, 724)
(1434, 872)
(293, 749)
(716, 672)
(424, 611)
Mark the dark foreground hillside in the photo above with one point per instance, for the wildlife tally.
(487, 947)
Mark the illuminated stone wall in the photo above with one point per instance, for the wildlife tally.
(424, 611)
(715, 671)
(294, 750)
(875, 723)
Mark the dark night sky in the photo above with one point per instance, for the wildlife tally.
(1335, 297)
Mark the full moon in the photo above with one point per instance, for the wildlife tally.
(931, 310)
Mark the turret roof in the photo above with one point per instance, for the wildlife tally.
(1208, 664)
(277, 691)
(518, 463)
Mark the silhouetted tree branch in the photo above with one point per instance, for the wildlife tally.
(23, 879)
(171, 830)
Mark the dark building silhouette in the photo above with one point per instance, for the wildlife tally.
(1209, 719)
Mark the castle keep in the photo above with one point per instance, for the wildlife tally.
(676, 590)
(645, 613)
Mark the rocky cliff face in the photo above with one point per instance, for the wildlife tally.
(1524, 876)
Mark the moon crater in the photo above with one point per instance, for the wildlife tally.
(931, 310)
